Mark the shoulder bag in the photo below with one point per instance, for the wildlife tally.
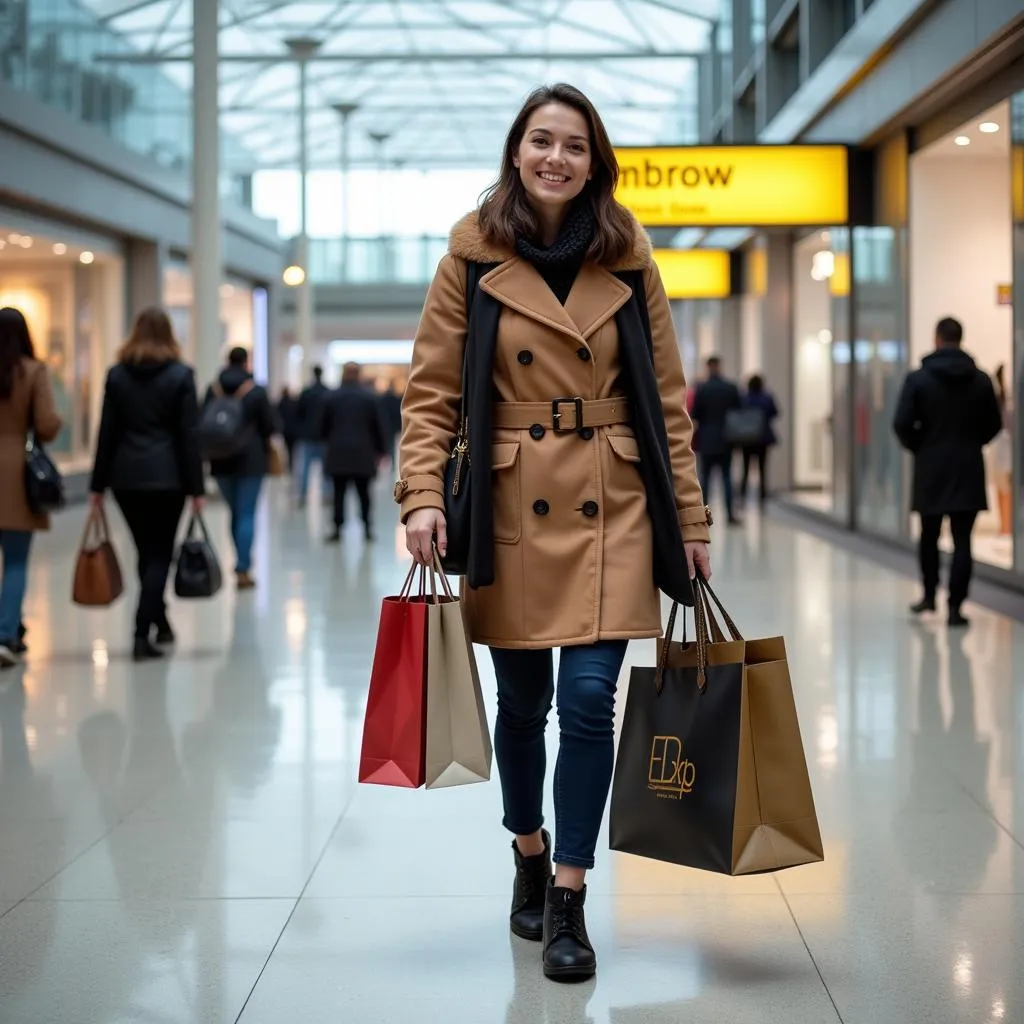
(456, 473)
(199, 573)
(44, 486)
(98, 582)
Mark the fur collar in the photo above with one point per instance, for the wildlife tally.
(467, 242)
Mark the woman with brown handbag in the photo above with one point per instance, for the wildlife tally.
(584, 497)
(26, 404)
(148, 455)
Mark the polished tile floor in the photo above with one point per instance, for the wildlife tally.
(186, 842)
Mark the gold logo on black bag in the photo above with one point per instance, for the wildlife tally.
(670, 774)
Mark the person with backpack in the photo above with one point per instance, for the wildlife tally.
(237, 425)
(147, 453)
(585, 500)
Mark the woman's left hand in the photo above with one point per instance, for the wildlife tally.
(697, 557)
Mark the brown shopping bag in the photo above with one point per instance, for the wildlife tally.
(458, 742)
(711, 771)
(98, 582)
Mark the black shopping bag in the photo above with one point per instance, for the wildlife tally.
(711, 771)
(198, 574)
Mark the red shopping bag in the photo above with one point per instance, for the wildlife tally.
(394, 731)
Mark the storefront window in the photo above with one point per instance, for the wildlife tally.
(814, 367)
(880, 359)
(962, 266)
(72, 298)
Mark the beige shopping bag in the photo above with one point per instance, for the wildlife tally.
(458, 743)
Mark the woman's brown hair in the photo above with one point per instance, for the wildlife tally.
(506, 213)
(151, 340)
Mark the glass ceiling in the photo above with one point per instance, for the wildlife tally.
(437, 81)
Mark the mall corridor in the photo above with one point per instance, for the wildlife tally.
(186, 842)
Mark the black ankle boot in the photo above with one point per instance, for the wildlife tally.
(145, 650)
(568, 954)
(926, 604)
(164, 633)
(533, 876)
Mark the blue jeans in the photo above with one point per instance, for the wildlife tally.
(15, 545)
(723, 464)
(587, 677)
(310, 452)
(242, 494)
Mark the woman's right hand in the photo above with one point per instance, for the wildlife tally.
(420, 530)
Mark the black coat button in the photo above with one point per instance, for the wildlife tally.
(537, 431)
(587, 433)
(590, 508)
(584, 354)
(525, 357)
(541, 507)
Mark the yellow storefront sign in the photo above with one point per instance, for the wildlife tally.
(735, 186)
(695, 273)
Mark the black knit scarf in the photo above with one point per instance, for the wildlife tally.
(560, 263)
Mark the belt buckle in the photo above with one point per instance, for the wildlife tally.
(556, 415)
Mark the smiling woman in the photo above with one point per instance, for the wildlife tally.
(581, 477)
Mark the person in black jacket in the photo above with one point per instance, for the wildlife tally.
(288, 417)
(356, 443)
(947, 412)
(148, 455)
(240, 477)
(716, 397)
(312, 403)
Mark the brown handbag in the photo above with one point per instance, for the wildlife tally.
(276, 461)
(98, 581)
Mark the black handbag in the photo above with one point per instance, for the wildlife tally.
(456, 472)
(44, 486)
(198, 574)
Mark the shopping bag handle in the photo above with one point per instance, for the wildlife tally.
(705, 588)
(701, 628)
(439, 571)
(433, 573)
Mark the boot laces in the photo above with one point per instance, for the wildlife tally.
(567, 917)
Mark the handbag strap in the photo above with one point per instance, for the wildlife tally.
(474, 271)
(96, 525)
(196, 518)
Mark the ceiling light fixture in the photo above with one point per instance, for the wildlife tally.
(962, 140)
(988, 127)
(293, 276)
(59, 248)
(86, 257)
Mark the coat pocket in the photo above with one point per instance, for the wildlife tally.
(625, 447)
(505, 473)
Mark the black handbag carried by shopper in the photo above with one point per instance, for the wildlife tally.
(44, 486)
(456, 472)
(198, 574)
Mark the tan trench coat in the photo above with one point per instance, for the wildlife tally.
(32, 396)
(562, 576)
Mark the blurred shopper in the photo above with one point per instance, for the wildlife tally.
(716, 397)
(240, 476)
(356, 444)
(391, 417)
(288, 418)
(311, 447)
(26, 404)
(757, 397)
(947, 413)
(148, 455)
(561, 555)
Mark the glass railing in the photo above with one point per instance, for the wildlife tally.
(381, 260)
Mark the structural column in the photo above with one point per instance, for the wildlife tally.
(206, 258)
(345, 110)
(303, 49)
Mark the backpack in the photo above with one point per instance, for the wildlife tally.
(224, 428)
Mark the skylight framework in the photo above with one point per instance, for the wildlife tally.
(437, 80)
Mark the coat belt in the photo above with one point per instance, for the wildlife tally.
(562, 415)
